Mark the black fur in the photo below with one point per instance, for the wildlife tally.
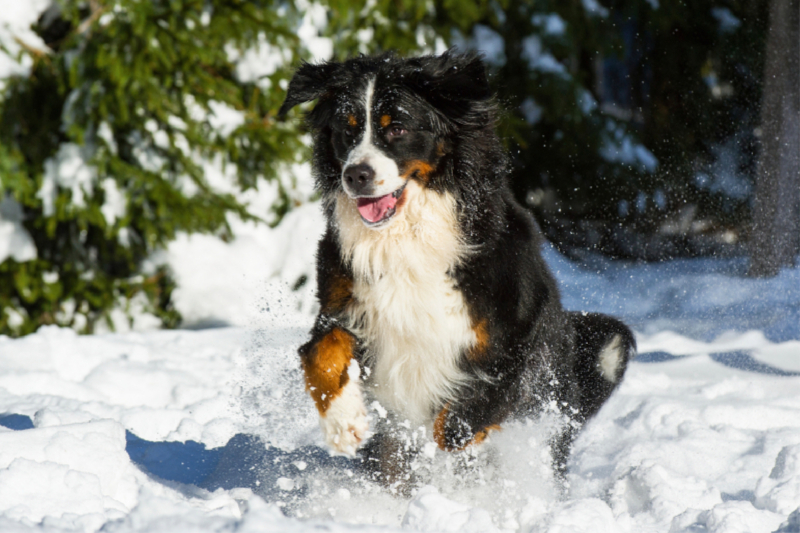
(538, 352)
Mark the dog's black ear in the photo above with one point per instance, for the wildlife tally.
(451, 81)
(460, 77)
(309, 83)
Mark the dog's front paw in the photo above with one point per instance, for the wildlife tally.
(345, 421)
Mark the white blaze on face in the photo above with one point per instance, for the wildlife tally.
(387, 174)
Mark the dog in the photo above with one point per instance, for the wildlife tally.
(434, 298)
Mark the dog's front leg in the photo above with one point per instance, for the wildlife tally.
(332, 379)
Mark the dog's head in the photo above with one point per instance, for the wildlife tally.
(384, 122)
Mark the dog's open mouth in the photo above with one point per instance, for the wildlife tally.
(377, 210)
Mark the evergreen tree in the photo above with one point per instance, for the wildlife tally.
(103, 146)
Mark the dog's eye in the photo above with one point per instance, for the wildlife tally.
(396, 131)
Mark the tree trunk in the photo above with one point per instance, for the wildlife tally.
(775, 237)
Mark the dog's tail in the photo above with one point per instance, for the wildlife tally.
(604, 345)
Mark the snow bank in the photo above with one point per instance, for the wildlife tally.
(235, 277)
(79, 469)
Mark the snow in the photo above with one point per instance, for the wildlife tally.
(485, 40)
(586, 102)
(490, 43)
(315, 20)
(255, 64)
(257, 261)
(15, 33)
(699, 298)
(551, 23)
(115, 203)
(728, 23)
(531, 110)
(223, 118)
(533, 52)
(15, 241)
(68, 169)
(594, 8)
(724, 175)
(619, 146)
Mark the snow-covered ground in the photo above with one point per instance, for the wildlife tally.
(210, 429)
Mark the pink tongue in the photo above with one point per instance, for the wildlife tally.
(375, 209)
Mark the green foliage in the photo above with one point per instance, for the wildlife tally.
(405, 26)
(103, 145)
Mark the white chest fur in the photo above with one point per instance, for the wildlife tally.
(414, 323)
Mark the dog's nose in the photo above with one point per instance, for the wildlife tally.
(357, 177)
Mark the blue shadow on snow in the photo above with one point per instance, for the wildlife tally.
(245, 461)
(744, 361)
(186, 462)
(740, 360)
(14, 421)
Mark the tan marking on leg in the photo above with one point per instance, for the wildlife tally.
(325, 367)
(482, 434)
(438, 432)
(438, 428)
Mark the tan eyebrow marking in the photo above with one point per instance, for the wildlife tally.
(351, 119)
(385, 121)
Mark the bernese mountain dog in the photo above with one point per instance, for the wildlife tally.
(434, 298)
